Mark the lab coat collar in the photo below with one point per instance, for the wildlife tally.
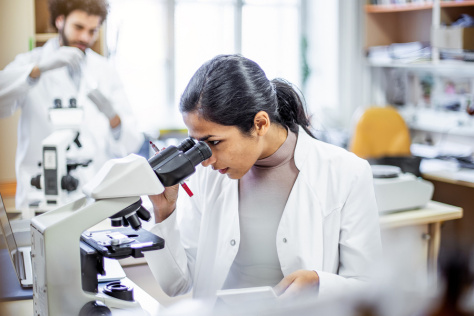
(52, 44)
(301, 150)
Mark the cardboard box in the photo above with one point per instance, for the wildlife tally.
(453, 38)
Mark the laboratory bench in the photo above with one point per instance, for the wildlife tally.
(427, 223)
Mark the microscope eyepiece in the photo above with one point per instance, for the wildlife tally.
(172, 165)
(199, 153)
(186, 144)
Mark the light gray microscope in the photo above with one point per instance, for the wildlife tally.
(67, 258)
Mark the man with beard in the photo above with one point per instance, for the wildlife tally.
(66, 69)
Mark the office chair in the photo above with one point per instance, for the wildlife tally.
(382, 137)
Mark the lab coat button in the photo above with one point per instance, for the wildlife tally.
(284, 240)
(232, 242)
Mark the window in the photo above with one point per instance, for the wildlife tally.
(157, 45)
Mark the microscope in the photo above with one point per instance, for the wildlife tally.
(56, 181)
(67, 258)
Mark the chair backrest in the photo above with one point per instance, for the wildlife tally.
(381, 132)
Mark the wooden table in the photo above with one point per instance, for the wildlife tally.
(431, 216)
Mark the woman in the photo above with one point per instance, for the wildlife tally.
(276, 208)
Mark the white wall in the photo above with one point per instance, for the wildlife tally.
(335, 56)
(16, 30)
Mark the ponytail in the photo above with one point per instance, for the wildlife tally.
(291, 109)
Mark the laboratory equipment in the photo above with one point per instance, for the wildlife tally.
(397, 191)
(57, 183)
(59, 236)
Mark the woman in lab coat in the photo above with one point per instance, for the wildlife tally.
(277, 207)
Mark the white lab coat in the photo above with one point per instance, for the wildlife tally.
(35, 97)
(330, 224)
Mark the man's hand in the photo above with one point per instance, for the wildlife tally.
(297, 282)
(104, 105)
(64, 56)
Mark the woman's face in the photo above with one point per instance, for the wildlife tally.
(233, 153)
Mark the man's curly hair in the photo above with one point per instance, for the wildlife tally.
(64, 7)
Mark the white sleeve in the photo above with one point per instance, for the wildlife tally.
(173, 266)
(360, 245)
(14, 84)
(130, 139)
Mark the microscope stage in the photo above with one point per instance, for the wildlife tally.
(123, 242)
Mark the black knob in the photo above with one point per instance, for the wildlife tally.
(72, 103)
(95, 308)
(57, 103)
(36, 181)
(69, 183)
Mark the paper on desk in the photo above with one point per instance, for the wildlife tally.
(464, 175)
(436, 165)
(445, 149)
(424, 151)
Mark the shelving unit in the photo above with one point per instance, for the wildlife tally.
(414, 22)
(403, 23)
(387, 80)
(380, 8)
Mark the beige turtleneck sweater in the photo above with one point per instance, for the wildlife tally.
(263, 192)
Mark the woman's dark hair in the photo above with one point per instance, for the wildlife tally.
(230, 90)
(64, 7)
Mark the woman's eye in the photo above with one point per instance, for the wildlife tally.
(214, 142)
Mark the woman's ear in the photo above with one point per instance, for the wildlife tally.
(60, 22)
(261, 123)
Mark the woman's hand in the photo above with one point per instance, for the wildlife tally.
(164, 204)
(297, 282)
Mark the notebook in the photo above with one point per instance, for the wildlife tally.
(20, 256)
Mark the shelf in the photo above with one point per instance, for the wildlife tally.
(460, 67)
(43, 37)
(455, 123)
(432, 212)
(448, 4)
(388, 8)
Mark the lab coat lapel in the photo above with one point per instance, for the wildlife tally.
(89, 78)
(300, 234)
(220, 225)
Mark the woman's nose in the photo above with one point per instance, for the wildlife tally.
(208, 161)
